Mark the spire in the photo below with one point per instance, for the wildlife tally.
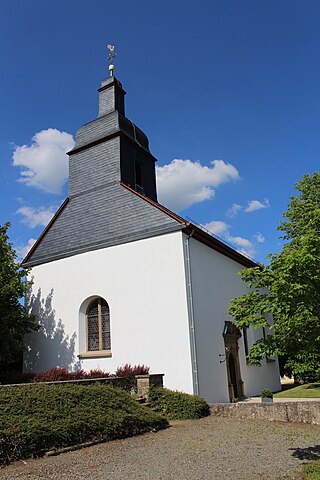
(111, 56)
(111, 93)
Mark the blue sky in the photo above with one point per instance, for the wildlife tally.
(227, 92)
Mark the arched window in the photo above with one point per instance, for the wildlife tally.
(98, 326)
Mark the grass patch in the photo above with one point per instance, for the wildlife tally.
(177, 405)
(310, 390)
(37, 418)
(311, 471)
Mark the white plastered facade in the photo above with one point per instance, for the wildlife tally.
(215, 282)
(146, 286)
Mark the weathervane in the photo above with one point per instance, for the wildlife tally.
(110, 58)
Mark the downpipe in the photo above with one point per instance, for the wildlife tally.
(194, 362)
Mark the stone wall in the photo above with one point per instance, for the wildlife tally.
(299, 412)
(142, 382)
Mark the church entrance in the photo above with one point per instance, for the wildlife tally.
(231, 337)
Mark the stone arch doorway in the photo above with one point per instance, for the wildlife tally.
(231, 337)
(233, 375)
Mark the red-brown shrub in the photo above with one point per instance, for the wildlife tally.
(56, 374)
(52, 375)
(77, 375)
(128, 370)
(97, 373)
(59, 374)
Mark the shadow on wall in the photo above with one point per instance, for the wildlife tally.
(48, 347)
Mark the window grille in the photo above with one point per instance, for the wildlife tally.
(98, 326)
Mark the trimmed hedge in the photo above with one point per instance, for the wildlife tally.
(37, 418)
(177, 405)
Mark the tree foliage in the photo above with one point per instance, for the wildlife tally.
(288, 289)
(15, 321)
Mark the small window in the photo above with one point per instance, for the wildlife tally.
(98, 326)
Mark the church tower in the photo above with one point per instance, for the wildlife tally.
(111, 148)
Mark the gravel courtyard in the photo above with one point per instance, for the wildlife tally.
(210, 448)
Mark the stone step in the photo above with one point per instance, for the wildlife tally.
(143, 401)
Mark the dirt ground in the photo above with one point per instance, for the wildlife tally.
(210, 448)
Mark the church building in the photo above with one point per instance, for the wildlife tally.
(119, 278)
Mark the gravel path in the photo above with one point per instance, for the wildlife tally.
(210, 448)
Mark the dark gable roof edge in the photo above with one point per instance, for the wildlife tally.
(199, 234)
(212, 242)
(53, 219)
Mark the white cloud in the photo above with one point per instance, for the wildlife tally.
(34, 217)
(259, 238)
(22, 250)
(245, 245)
(222, 229)
(240, 242)
(252, 205)
(217, 227)
(257, 205)
(182, 183)
(44, 164)
(234, 210)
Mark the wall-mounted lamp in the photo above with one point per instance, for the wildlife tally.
(222, 355)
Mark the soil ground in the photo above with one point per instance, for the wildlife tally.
(210, 448)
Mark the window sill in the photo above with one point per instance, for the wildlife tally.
(95, 354)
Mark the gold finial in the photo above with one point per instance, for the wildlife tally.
(110, 58)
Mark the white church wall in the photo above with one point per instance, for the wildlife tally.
(270, 377)
(215, 281)
(144, 285)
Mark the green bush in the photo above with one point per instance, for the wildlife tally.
(36, 418)
(266, 393)
(177, 405)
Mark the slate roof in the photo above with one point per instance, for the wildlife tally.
(79, 227)
(131, 216)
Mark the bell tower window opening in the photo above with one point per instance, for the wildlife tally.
(138, 176)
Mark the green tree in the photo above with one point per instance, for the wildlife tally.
(288, 289)
(15, 321)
